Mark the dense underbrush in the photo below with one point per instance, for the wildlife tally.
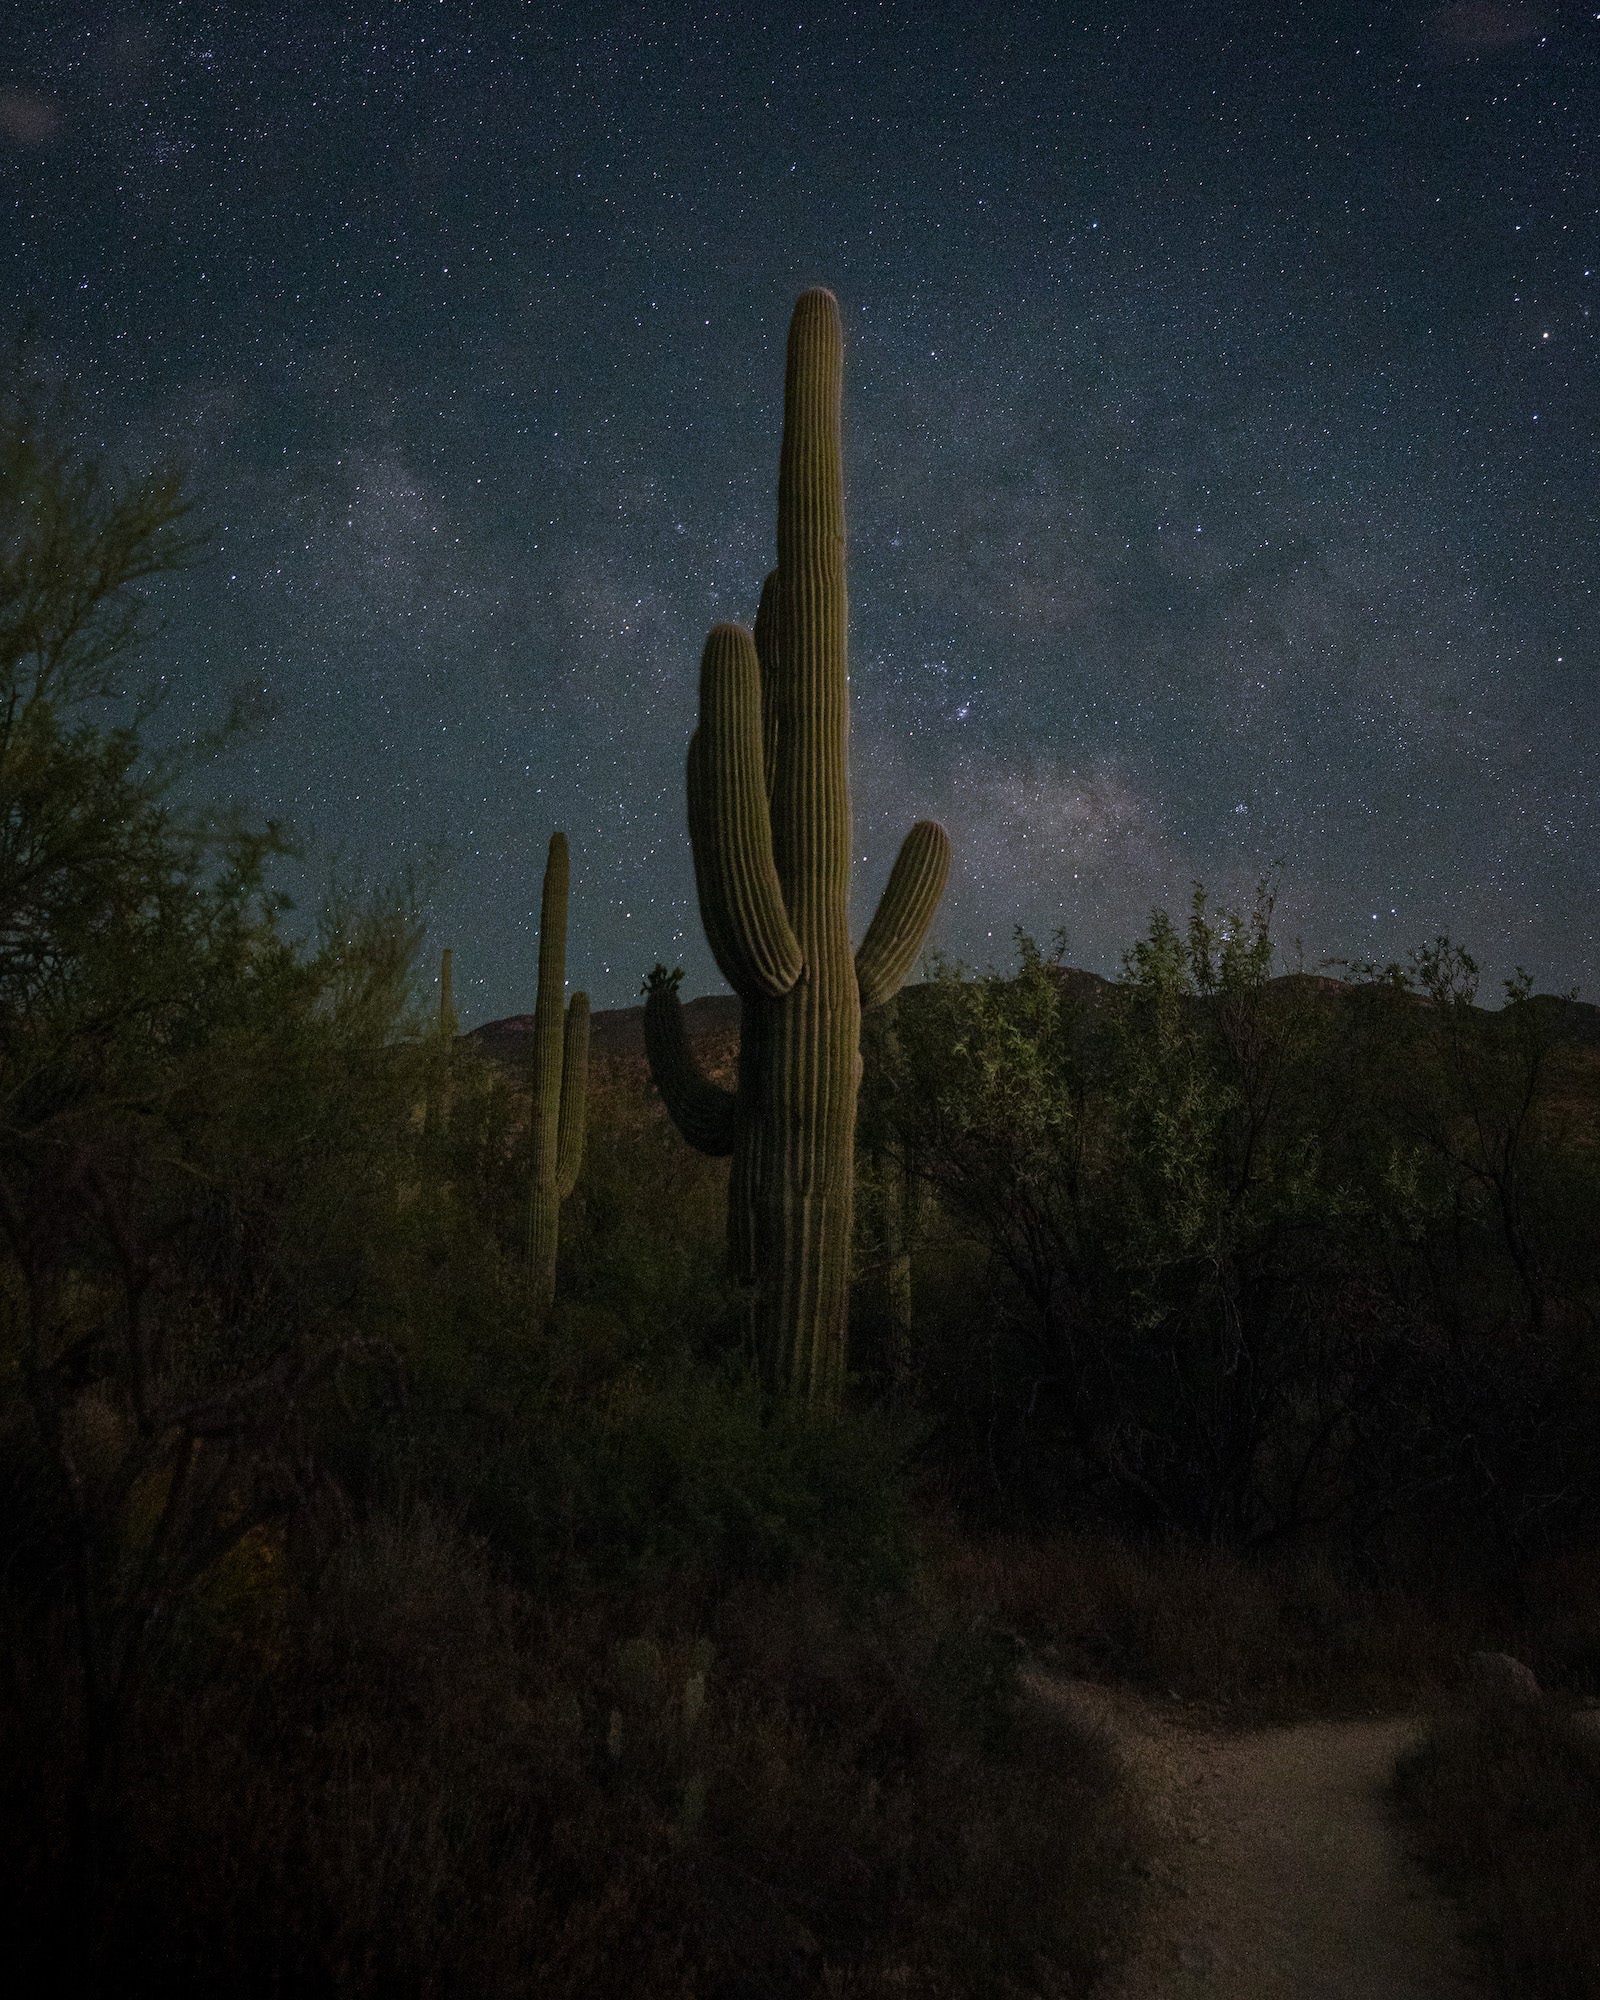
(363, 1631)
(418, 1778)
(1504, 1799)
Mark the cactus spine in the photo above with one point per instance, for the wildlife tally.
(560, 1084)
(769, 823)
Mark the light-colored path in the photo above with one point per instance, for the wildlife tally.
(1284, 1872)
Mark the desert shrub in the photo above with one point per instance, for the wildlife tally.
(355, 1639)
(1504, 1798)
(1256, 1260)
(1560, 1634)
(627, 1439)
(646, 1229)
(205, 1123)
(657, 1464)
(416, 1778)
(1253, 1641)
(1139, 1166)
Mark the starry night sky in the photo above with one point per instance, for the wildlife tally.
(1221, 432)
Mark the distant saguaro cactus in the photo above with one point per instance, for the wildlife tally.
(437, 1103)
(447, 1006)
(560, 1084)
(769, 823)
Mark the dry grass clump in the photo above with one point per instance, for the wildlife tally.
(938, 1833)
(1505, 1798)
(1257, 1643)
(1562, 1615)
(419, 1780)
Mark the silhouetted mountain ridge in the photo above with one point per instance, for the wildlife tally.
(617, 1033)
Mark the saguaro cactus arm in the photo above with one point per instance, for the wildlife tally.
(730, 825)
(895, 935)
(574, 1115)
(702, 1111)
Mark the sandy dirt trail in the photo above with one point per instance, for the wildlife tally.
(1284, 1872)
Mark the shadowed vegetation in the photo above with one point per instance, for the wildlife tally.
(1506, 1799)
(356, 1637)
(1227, 1333)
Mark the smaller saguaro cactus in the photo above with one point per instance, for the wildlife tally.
(436, 1104)
(447, 1006)
(560, 1084)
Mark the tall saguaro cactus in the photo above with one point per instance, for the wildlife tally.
(560, 1083)
(769, 822)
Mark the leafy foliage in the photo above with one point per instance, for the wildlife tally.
(200, 1124)
(354, 1636)
(1268, 1251)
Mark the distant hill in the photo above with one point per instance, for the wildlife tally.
(616, 1035)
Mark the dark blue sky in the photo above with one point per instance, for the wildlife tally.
(1221, 427)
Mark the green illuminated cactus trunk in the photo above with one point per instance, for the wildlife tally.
(560, 1085)
(769, 822)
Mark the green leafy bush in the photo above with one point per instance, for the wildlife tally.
(1255, 1259)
